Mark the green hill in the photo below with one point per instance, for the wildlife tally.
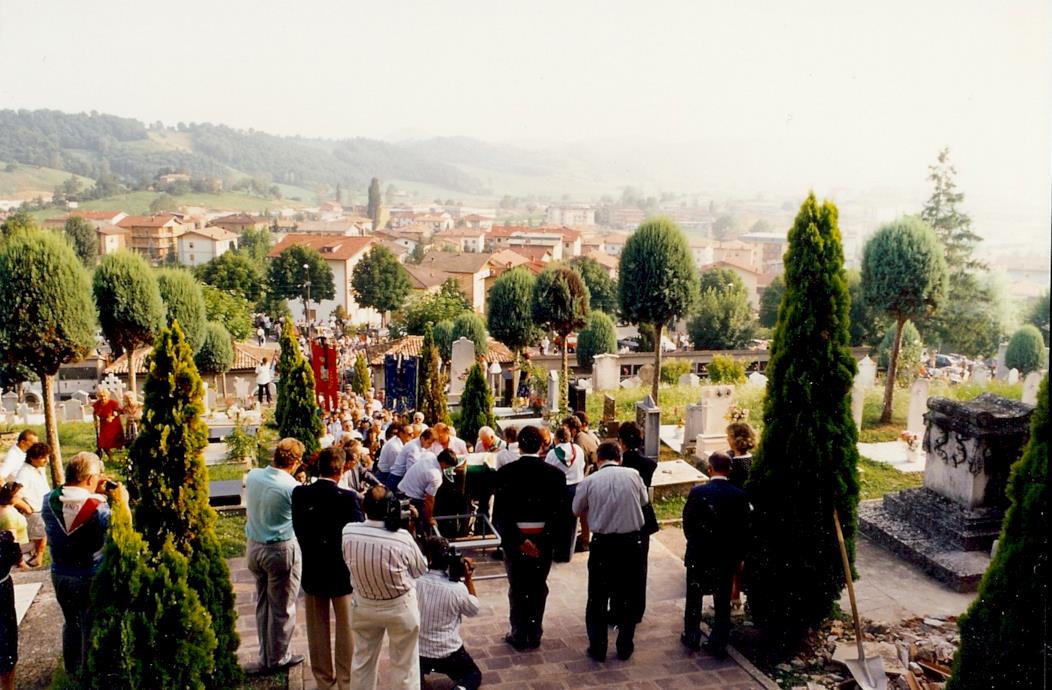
(26, 181)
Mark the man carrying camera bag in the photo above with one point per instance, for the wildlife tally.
(444, 599)
(384, 562)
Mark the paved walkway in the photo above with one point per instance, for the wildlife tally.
(659, 661)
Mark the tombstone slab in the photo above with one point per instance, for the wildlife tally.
(10, 401)
(606, 373)
(646, 374)
(867, 369)
(461, 360)
(648, 417)
(1001, 371)
(918, 406)
(553, 391)
(73, 411)
(858, 402)
(633, 382)
(242, 389)
(1031, 384)
(706, 419)
(1013, 377)
(980, 375)
(757, 379)
(691, 380)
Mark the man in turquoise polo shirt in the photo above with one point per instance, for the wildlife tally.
(274, 554)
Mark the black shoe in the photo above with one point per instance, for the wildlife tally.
(691, 642)
(596, 655)
(716, 650)
(518, 644)
(624, 652)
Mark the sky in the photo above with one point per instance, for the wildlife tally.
(830, 92)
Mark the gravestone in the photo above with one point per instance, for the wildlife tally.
(948, 525)
(858, 401)
(83, 397)
(646, 374)
(553, 390)
(1001, 373)
(918, 406)
(867, 369)
(757, 379)
(1031, 384)
(462, 359)
(207, 399)
(10, 400)
(632, 382)
(648, 417)
(980, 375)
(73, 411)
(23, 412)
(114, 385)
(705, 426)
(585, 384)
(606, 373)
(576, 398)
(1013, 376)
(242, 389)
(610, 423)
(692, 380)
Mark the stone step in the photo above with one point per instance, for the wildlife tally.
(946, 520)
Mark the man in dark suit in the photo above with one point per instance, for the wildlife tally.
(631, 438)
(319, 513)
(716, 523)
(528, 508)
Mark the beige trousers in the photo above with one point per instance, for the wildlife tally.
(319, 638)
(400, 620)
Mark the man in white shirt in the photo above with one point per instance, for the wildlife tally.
(264, 376)
(510, 451)
(488, 441)
(407, 456)
(443, 602)
(384, 565)
(446, 438)
(397, 437)
(32, 475)
(422, 482)
(16, 454)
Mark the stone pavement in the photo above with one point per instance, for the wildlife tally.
(659, 660)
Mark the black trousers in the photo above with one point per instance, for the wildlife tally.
(527, 592)
(615, 576)
(717, 579)
(263, 390)
(459, 666)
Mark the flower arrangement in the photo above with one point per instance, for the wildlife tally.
(736, 413)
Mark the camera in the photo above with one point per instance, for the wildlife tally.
(397, 516)
(110, 485)
(456, 565)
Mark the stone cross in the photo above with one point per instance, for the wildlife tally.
(606, 373)
(867, 369)
(918, 406)
(1031, 384)
(648, 416)
(114, 385)
(462, 358)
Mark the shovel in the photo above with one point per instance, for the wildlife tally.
(868, 673)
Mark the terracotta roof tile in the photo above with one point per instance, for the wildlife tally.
(410, 345)
(332, 247)
(246, 358)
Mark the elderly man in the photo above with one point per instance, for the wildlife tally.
(77, 519)
(407, 456)
(319, 513)
(16, 454)
(488, 441)
(384, 565)
(613, 498)
(273, 554)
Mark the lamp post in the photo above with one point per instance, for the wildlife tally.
(494, 371)
(306, 299)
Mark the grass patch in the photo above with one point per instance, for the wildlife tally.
(674, 401)
(876, 479)
(230, 528)
(226, 471)
(279, 681)
(670, 508)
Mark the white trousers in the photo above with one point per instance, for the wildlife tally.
(400, 620)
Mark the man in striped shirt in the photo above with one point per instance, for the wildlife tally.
(383, 566)
(443, 602)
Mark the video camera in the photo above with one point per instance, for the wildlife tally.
(456, 565)
(397, 515)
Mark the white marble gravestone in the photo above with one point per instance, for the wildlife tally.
(980, 375)
(757, 379)
(606, 373)
(858, 401)
(23, 412)
(692, 380)
(114, 385)
(1031, 384)
(1001, 374)
(10, 401)
(867, 369)
(73, 411)
(462, 359)
(553, 391)
(648, 416)
(1013, 376)
(632, 382)
(646, 374)
(205, 400)
(705, 426)
(918, 406)
(83, 397)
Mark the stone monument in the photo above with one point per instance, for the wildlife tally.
(918, 404)
(705, 426)
(242, 390)
(632, 382)
(10, 401)
(691, 380)
(757, 379)
(947, 526)
(867, 369)
(606, 373)
(858, 400)
(648, 417)
(646, 374)
(553, 391)
(610, 423)
(1013, 377)
(115, 386)
(1031, 384)
(462, 359)
(980, 375)
(1001, 372)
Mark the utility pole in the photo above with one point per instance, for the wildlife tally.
(306, 299)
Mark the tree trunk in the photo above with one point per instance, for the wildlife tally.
(47, 382)
(564, 390)
(516, 373)
(131, 370)
(889, 385)
(657, 362)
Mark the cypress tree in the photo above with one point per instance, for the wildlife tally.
(476, 404)
(1004, 634)
(361, 383)
(805, 465)
(216, 354)
(560, 303)
(471, 326)
(297, 406)
(150, 629)
(431, 395)
(184, 302)
(1026, 350)
(599, 337)
(168, 469)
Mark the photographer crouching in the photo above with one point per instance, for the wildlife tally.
(443, 600)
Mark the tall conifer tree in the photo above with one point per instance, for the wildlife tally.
(296, 412)
(476, 404)
(431, 384)
(168, 471)
(805, 465)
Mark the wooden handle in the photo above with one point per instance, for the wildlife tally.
(850, 586)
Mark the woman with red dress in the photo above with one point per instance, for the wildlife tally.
(108, 427)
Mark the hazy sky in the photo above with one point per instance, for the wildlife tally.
(876, 88)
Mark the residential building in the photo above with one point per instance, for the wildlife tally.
(563, 242)
(751, 277)
(571, 214)
(477, 220)
(469, 269)
(463, 239)
(742, 253)
(609, 263)
(350, 227)
(201, 245)
(237, 223)
(772, 247)
(614, 243)
(155, 236)
(424, 279)
(112, 238)
(342, 253)
(702, 250)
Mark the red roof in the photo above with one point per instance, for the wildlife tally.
(331, 247)
(730, 263)
(96, 215)
(157, 221)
